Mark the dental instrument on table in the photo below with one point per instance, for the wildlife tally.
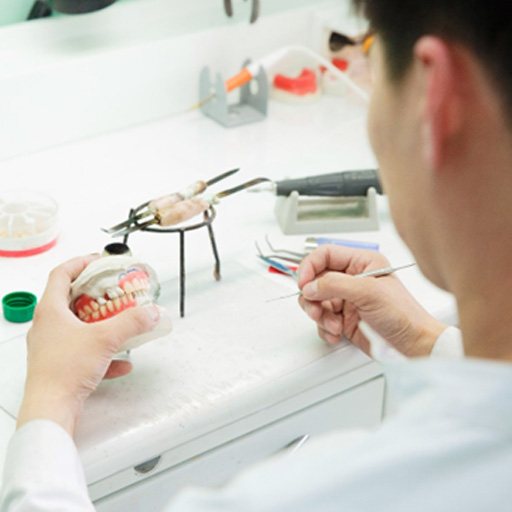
(281, 267)
(338, 184)
(380, 272)
(283, 254)
(313, 242)
(177, 207)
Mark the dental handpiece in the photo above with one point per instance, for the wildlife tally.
(346, 183)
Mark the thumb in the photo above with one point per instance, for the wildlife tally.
(338, 285)
(132, 322)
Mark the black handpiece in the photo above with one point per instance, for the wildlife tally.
(347, 183)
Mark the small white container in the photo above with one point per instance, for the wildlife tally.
(28, 223)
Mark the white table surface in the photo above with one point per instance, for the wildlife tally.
(233, 353)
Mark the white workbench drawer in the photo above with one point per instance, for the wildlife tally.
(357, 407)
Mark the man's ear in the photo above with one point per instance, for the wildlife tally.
(442, 106)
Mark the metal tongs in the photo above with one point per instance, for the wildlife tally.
(163, 210)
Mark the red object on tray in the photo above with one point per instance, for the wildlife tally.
(273, 270)
(305, 83)
(341, 64)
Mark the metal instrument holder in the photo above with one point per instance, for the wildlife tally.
(251, 108)
(208, 218)
(298, 215)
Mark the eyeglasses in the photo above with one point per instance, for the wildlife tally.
(368, 42)
(338, 41)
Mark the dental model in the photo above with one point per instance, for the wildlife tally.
(113, 284)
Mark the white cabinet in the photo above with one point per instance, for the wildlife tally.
(356, 407)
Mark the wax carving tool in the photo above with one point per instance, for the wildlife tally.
(285, 269)
(380, 272)
(294, 256)
(150, 208)
(176, 208)
(282, 254)
(346, 183)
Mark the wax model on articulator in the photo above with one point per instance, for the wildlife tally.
(113, 283)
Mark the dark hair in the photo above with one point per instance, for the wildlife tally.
(483, 26)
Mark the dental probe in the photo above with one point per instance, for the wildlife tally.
(150, 208)
(380, 272)
(345, 183)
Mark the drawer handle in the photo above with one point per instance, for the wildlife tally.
(296, 444)
(147, 466)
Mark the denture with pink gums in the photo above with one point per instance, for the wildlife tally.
(112, 284)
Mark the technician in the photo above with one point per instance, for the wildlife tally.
(440, 123)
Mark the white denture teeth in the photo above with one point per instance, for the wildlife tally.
(128, 288)
(111, 285)
(112, 294)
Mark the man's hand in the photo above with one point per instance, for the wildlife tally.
(68, 358)
(337, 301)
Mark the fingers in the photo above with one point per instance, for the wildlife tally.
(61, 277)
(336, 285)
(129, 323)
(333, 257)
(330, 323)
(118, 368)
(331, 339)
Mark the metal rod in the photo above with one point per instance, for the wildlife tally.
(182, 273)
(126, 236)
(243, 186)
(216, 268)
(294, 254)
(380, 272)
(228, 7)
(255, 11)
(221, 177)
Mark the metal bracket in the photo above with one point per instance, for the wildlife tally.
(255, 11)
(251, 108)
(299, 215)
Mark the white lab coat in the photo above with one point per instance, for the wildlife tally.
(448, 448)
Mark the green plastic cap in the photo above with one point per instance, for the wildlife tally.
(19, 307)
